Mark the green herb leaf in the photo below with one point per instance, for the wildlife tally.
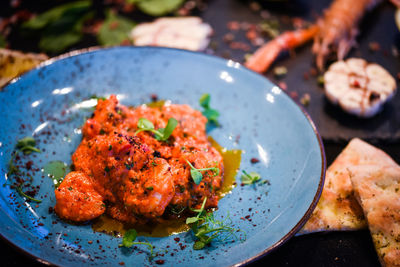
(19, 190)
(26, 141)
(162, 134)
(61, 26)
(27, 145)
(158, 7)
(196, 173)
(191, 220)
(56, 170)
(199, 245)
(205, 101)
(167, 131)
(98, 97)
(206, 228)
(12, 169)
(145, 124)
(250, 178)
(60, 16)
(59, 42)
(115, 29)
(129, 238)
(211, 114)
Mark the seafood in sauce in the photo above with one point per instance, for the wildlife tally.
(131, 175)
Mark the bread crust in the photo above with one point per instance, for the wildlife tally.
(377, 189)
(337, 209)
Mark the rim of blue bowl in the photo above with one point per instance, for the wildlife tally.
(265, 252)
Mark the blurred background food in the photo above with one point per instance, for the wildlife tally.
(14, 63)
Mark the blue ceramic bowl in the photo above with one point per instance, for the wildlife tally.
(256, 117)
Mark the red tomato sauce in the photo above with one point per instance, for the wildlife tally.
(135, 178)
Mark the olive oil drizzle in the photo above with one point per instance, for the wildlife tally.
(231, 159)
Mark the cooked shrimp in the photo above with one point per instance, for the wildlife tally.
(262, 59)
(358, 87)
(77, 200)
(131, 175)
(338, 28)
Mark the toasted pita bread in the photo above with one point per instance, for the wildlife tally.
(14, 63)
(337, 208)
(377, 189)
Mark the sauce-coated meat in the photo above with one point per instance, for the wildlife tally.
(134, 177)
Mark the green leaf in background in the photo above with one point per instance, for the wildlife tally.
(3, 41)
(60, 27)
(55, 14)
(115, 30)
(59, 42)
(157, 7)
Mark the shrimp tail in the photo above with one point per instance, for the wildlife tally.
(338, 29)
(262, 59)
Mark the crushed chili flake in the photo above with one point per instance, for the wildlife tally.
(254, 6)
(356, 84)
(251, 34)
(254, 160)
(282, 85)
(294, 94)
(313, 72)
(240, 46)
(233, 25)
(160, 262)
(229, 37)
(374, 46)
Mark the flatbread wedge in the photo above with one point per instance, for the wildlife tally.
(337, 209)
(377, 189)
(14, 63)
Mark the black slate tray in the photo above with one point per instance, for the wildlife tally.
(332, 123)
